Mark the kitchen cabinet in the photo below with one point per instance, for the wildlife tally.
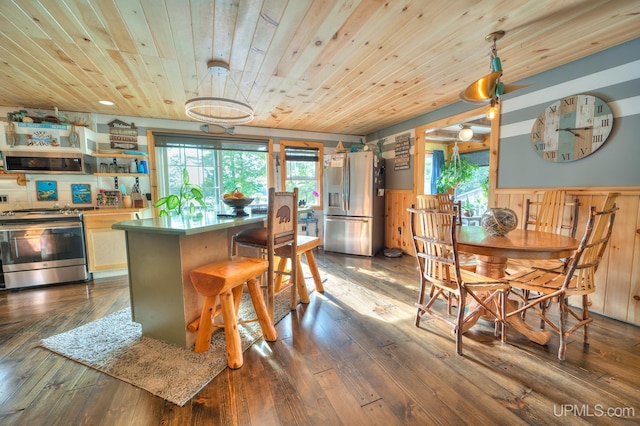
(106, 247)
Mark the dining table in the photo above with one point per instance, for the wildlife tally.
(493, 252)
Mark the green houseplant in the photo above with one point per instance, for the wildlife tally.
(455, 174)
(189, 196)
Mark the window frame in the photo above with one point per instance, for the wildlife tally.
(155, 175)
(284, 144)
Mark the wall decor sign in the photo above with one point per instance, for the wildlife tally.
(47, 190)
(402, 156)
(80, 193)
(123, 135)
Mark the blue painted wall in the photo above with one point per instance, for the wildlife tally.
(613, 75)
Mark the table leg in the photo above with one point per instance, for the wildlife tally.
(494, 267)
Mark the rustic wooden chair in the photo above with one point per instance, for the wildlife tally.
(537, 288)
(281, 231)
(224, 280)
(552, 214)
(433, 235)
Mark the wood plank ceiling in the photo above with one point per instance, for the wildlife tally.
(343, 66)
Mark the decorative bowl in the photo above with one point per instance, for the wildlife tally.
(238, 204)
(498, 222)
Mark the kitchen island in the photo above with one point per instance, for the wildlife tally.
(160, 254)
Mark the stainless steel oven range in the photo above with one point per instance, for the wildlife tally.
(41, 247)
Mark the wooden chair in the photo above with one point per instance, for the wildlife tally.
(281, 231)
(553, 214)
(443, 203)
(224, 280)
(537, 288)
(305, 245)
(433, 235)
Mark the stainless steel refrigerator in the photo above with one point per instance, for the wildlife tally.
(354, 203)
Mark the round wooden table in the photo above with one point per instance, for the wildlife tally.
(493, 253)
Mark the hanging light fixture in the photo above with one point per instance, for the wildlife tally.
(218, 110)
(489, 87)
(466, 133)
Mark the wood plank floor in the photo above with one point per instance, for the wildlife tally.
(352, 356)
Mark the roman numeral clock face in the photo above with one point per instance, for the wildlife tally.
(571, 128)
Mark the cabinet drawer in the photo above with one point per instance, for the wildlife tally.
(106, 220)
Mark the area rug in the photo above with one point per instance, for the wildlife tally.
(114, 345)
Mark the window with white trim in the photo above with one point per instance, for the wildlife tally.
(302, 168)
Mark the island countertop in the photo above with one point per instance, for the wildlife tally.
(187, 225)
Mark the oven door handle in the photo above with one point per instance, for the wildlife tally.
(42, 225)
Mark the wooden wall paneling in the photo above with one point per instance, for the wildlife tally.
(397, 217)
(620, 259)
(633, 315)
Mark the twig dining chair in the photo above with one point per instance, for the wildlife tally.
(433, 235)
(537, 288)
(552, 214)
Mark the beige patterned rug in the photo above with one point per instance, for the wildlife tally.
(114, 345)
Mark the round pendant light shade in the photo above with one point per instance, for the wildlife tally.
(216, 109)
(466, 133)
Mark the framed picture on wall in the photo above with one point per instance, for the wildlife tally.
(80, 193)
(47, 190)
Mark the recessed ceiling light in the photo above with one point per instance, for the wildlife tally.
(109, 103)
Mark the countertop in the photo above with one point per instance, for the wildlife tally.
(187, 225)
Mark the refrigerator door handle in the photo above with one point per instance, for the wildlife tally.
(346, 184)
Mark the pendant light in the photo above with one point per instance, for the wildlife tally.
(219, 110)
(466, 133)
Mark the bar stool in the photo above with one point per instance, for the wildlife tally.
(281, 230)
(304, 245)
(224, 280)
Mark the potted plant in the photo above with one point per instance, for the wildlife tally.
(185, 201)
(455, 174)
(467, 208)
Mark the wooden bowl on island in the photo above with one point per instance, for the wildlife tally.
(238, 205)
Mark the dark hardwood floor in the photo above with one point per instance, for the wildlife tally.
(352, 356)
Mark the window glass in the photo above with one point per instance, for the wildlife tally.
(476, 190)
(428, 171)
(218, 166)
(302, 168)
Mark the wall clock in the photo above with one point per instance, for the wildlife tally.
(571, 128)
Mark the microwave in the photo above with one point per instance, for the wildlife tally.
(48, 162)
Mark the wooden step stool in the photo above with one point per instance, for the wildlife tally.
(225, 280)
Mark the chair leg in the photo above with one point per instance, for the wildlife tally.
(264, 319)
(300, 283)
(270, 288)
(237, 298)
(205, 328)
(585, 316)
(459, 323)
(503, 316)
(231, 333)
(313, 267)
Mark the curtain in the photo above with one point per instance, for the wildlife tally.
(437, 163)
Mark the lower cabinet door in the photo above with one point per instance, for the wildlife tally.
(106, 249)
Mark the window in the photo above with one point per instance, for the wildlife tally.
(217, 164)
(476, 190)
(428, 171)
(302, 168)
